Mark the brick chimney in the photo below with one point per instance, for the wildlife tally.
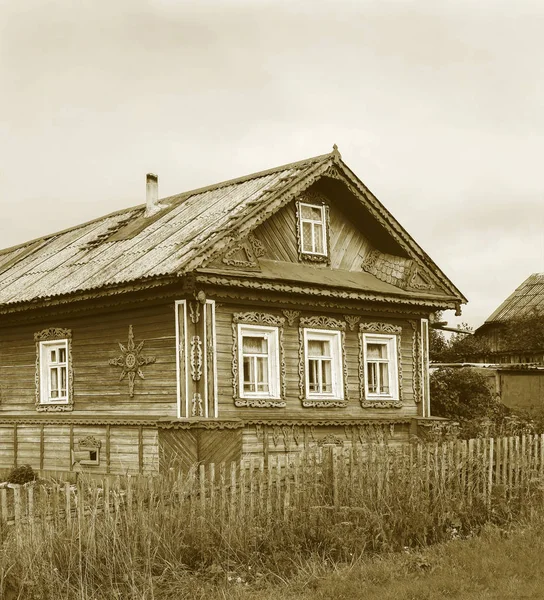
(152, 205)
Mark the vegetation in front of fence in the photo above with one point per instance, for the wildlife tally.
(153, 537)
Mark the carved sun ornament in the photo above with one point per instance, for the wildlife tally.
(131, 361)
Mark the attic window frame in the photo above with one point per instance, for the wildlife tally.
(324, 221)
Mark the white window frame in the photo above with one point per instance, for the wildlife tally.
(45, 371)
(392, 360)
(271, 334)
(313, 222)
(337, 371)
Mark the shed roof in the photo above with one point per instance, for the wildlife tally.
(525, 301)
(193, 227)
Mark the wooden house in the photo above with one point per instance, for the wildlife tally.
(512, 334)
(254, 316)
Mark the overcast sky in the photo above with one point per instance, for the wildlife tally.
(438, 106)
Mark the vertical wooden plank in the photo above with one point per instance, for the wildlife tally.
(490, 455)
(15, 445)
(232, 511)
(17, 505)
(140, 449)
(270, 471)
(470, 469)
(4, 504)
(30, 504)
(68, 503)
(265, 444)
(108, 446)
(71, 449)
(202, 491)
(242, 495)
(334, 471)
(129, 494)
(42, 445)
(511, 463)
(223, 487)
(212, 490)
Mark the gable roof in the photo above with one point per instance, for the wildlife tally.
(193, 228)
(527, 300)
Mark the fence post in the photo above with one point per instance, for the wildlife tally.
(490, 457)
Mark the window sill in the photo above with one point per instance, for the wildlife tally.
(324, 403)
(381, 403)
(314, 257)
(257, 402)
(55, 407)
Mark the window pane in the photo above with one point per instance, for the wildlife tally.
(255, 345)
(376, 350)
(63, 381)
(311, 212)
(313, 375)
(319, 348)
(326, 376)
(54, 383)
(262, 374)
(249, 374)
(372, 377)
(307, 237)
(62, 355)
(318, 239)
(53, 356)
(384, 378)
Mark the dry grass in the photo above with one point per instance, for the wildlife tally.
(178, 540)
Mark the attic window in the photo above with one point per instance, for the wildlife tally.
(313, 231)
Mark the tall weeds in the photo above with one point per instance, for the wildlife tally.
(156, 537)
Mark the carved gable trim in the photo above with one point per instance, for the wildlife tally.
(246, 249)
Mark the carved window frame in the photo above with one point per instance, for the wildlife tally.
(43, 339)
(327, 326)
(266, 323)
(325, 220)
(393, 335)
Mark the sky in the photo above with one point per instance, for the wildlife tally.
(436, 105)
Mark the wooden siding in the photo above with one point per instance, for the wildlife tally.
(48, 448)
(294, 408)
(95, 340)
(269, 440)
(348, 246)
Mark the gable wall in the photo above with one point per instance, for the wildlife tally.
(95, 340)
(348, 245)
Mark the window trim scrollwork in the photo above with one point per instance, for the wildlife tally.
(54, 334)
(387, 330)
(262, 320)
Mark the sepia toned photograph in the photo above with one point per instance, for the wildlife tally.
(271, 300)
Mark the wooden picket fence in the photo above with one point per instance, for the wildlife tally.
(321, 478)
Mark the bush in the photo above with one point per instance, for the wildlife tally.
(22, 474)
(465, 395)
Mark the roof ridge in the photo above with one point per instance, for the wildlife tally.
(244, 178)
(140, 206)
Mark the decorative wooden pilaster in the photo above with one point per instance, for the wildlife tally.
(197, 381)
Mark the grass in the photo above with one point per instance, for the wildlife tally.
(497, 564)
(362, 529)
